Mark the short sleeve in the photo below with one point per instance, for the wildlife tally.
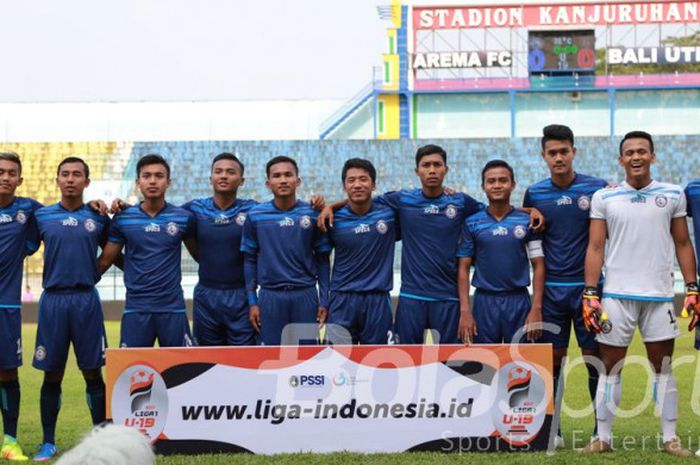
(689, 207)
(322, 243)
(391, 199)
(191, 230)
(466, 242)
(597, 206)
(116, 234)
(680, 209)
(249, 240)
(527, 201)
(471, 205)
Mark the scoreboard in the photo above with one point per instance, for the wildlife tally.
(561, 52)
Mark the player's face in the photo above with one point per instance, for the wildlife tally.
(10, 178)
(498, 184)
(71, 179)
(637, 157)
(358, 185)
(283, 179)
(226, 177)
(559, 156)
(153, 181)
(431, 170)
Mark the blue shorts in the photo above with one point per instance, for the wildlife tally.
(141, 329)
(70, 316)
(414, 316)
(278, 308)
(561, 306)
(365, 315)
(500, 315)
(10, 338)
(220, 317)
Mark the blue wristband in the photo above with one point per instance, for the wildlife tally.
(252, 298)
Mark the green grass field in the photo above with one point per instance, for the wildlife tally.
(74, 419)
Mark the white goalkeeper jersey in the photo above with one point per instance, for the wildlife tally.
(640, 253)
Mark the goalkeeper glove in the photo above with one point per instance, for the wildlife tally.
(692, 304)
(591, 309)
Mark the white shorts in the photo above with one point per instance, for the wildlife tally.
(656, 320)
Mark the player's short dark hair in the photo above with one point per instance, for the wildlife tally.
(152, 159)
(281, 159)
(13, 157)
(228, 156)
(362, 164)
(430, 149)
(638, 135)
(66, 160)
(557, 132)
(497, 164)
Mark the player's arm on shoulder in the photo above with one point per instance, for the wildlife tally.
(325, 218)
(99, 206)
(110, 254)
(537, 222)
(467, 325)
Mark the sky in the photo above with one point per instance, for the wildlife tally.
(183, 50)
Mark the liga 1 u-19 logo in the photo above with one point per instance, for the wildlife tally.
(140, 400)
(520, 403)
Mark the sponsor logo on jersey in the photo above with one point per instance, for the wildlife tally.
(21, 217)
(305, 222)
(152, 228)
(519, 231)
(431, 210)
(362, 229)
(564, 200)
(382, 227)
(221, 219)
(450, 211)
(286, 222)
(90, 225)
(240, 219)
(5, 218)
(661, 200)
(172, 228)
(584, 202)
(70, 221)
(500, 231)
(639, 198)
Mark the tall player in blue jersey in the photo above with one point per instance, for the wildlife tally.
(69, 309)
(500, 245)
(152, 233)
(286, 255)
(220, 307)
(564, 199)
(363, 238)
(16, 229)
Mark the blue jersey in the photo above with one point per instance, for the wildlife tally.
(284, 242)
(692, 195)
(430, 229)
(71, 239)
(566, 213)
(219, 242)
(498, 250)
(364, 250)
(18, 237)
(153, 244)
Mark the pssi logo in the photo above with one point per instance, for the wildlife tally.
(307, 381)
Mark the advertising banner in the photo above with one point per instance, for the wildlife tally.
(268, 400)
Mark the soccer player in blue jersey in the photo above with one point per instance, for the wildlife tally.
(363, 238)
(152, 233)
(220, 307)
(564, 199)
(69, 309)
(500, 245)
(16, 230)
(286, 255)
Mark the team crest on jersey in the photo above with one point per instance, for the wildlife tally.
(519, 231)
(172, 228)
(431, 210)
(564, 200)
(221, 219)
(70, 221)
(661, 200)
(240, 219)
(450, 211)
(606, 326)
(286, 222)
(500, 231)
(584, 203)
(90, 225)
(382, 227)
(21, 217)
(305, 222)
(40, 353)
(5, 218)
(362, 228)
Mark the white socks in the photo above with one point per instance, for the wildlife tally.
(666, 398)
(607, 399)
